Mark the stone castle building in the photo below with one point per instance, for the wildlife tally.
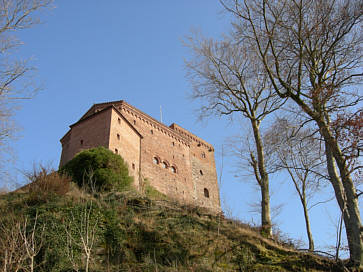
(173, 160)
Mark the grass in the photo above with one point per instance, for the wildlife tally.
(148, 232)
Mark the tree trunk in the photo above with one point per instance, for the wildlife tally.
(342, 183)
(263, 181)
(265, 210)
(307, 224)
(346, 196)
(31, 264)
(87, 262)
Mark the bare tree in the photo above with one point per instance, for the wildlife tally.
(15, 74)
(311, 52)
(85, 234)
(227, 79)
(298, 152)
(11, 244)
(20, 242)
(32, 240)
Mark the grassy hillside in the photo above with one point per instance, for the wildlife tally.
(130, 232)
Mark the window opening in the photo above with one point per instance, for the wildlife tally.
(173, 169)
(81, 142)
(165, 165)
(116, 151)
(119, 120)
(201, 172)
(118, 136)
(155, 160)
(203, 155)
(206, 193)
(151, 131)
(133, 166)
(134, 122)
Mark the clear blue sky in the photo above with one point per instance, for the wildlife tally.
(93, 51)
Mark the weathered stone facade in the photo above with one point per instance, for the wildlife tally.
(174, 161)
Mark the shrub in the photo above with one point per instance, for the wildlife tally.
(100, 169)
(45, 183)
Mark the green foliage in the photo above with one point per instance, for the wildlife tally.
(152, 193)
(134, 233)
(99, 168)
(114, 236)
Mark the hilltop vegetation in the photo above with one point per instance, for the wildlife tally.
(126, 231)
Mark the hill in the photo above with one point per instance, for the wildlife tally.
(68, 229)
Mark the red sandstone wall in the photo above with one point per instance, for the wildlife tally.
(203, 169)
(89, 133)
(125, 141)
(192, 157)
(158, 143)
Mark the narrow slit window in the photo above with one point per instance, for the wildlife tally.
(206, 193)
(116, 151)
(118, 136)
(201, 172)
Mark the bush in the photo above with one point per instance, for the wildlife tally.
(99, 169)
(44, 184)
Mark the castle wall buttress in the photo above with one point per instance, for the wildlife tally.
(124, 141)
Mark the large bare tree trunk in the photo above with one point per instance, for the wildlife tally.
(346, 197)
(263, 180)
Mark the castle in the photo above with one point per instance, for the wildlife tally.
(173, 160)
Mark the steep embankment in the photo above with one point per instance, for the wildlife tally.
(129, 232)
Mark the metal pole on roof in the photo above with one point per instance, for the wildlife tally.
(161, 115)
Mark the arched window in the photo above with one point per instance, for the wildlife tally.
(206, 193)
(164, 165)
(155, 160)
(116, 151)
(173, 169)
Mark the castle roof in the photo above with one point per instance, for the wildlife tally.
(174, 129)
(90, 114)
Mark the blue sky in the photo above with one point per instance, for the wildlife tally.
(93, 51)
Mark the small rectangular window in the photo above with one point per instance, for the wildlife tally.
(133, 166)
(119, 120)
(118, 136)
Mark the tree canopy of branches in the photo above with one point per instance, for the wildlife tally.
(15, 73)
(311, 52)
(296, 150)
(226, 80)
